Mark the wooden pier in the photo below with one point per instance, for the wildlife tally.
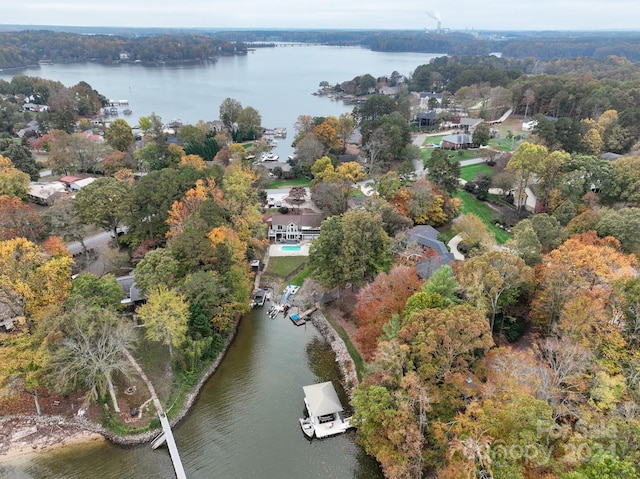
(302, 318)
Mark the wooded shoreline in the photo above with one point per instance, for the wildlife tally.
(28, 434)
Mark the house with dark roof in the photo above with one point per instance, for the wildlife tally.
(427, 119)
(31, 129)
(425, 99)
(294, 228)
(427, 237)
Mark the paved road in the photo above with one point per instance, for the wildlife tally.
(97, 241)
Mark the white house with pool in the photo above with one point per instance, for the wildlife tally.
(293, 228)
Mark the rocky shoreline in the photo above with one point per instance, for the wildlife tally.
(21, 435)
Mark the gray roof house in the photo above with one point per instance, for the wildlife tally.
(128, 285)
(470, 124)
(46, 193)
(32, 127)
(427, 237)
(456, 142)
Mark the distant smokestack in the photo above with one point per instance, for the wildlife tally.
(439, 31)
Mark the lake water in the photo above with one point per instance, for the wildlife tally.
(278, 82)
(245, 422)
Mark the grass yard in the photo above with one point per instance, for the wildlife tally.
(471, 205)
(301, 276)
(276, 184)
(459, 155)
(433, 139)
(284, 266)
(469, 173)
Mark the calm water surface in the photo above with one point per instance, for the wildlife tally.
(245, 422)
(278, 82)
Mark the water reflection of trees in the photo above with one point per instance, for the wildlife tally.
(321, 360)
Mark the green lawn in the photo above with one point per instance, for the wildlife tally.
(284, 266)
(287, 183)
(301, 276)
(471, 205)
(459, 155)
(433, 139)
(469, 173)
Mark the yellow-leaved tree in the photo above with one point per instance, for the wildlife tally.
(165, 316)
(13, 182)
(32, 285)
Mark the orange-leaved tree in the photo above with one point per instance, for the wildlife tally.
(378, 301)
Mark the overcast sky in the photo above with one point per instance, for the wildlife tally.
(379, 14)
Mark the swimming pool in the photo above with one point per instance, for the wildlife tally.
(290, 247)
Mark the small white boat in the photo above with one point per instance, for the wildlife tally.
(269, 157)
(307, 427)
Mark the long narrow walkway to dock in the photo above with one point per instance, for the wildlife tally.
(173, 449)
(167, 434)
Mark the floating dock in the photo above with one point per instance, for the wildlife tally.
(299, 319)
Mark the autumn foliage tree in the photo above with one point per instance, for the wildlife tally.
(17, 219)
(378, 301)
(165, 317)
(13, 182)
(490, 278)
(190, 204)
(583, 262)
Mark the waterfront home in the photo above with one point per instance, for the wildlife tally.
(435, 251)
(294, 228)
(128, 285)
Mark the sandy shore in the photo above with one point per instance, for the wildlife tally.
(22, 436)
